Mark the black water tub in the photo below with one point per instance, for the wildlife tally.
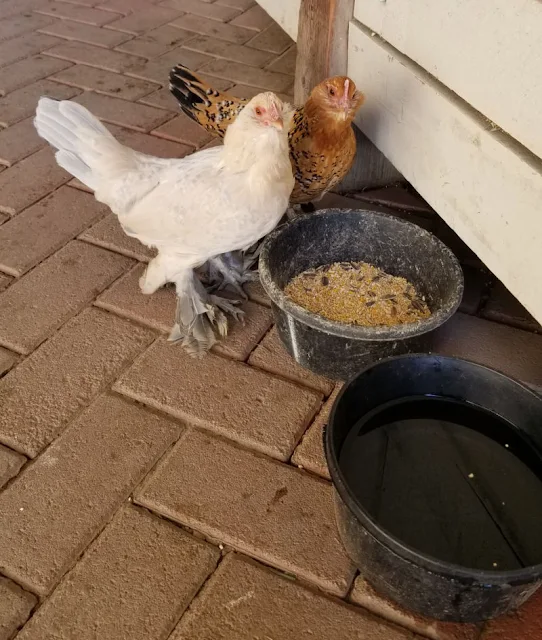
(398, 247)
(490, 526)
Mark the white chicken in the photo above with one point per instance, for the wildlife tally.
(191, 209)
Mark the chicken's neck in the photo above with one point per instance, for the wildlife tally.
(330, 127)
(264, 154)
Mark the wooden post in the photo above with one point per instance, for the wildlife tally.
(322, 41)
(322, 51)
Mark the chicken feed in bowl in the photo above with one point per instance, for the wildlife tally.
(357, 293)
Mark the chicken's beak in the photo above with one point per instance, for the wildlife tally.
(278, 123)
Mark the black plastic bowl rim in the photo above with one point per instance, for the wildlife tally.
(428, 562)
(357, 332)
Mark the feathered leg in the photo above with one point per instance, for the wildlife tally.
(199, 314)
(195, 316)
(234, 268)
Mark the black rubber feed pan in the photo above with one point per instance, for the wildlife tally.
(437, 467)
(400, 248)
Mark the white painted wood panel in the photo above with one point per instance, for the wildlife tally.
(474, 179)
(488, 51)
(285, 12)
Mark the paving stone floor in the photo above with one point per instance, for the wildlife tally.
(146, 495)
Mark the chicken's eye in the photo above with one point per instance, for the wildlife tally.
(331, 91)
(258, 111)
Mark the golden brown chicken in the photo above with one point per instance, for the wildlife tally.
(322, 141)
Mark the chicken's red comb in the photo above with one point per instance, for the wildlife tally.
(273, 110)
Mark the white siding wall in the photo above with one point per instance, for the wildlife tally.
(473, 177)
(285, 12)
(488, 51)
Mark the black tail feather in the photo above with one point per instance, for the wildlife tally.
(185, 88)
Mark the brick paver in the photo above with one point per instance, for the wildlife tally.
(24, 46)
(525, 624)
(44, 299)
(21, 103)
(244, 403)
(184, 130)
(19, 24)
(512, 351)
(15, 607)
(257, 505)
(28, 71)
(234, 52)
(94, 56)
(156, 42)
(244, 601)
(10, 461)
(41, 395)
(45, 227)
(84, 460)
(309, 454)
(157, 70)
(87, 15)
(503, 307)
(30, 180)
(18, 142)
(87, 33)
(113, 110)
(210, 27)
(104, 82)
(144, 20)
(97, 409)
(7, 358)
(134, 582)
(272, 356)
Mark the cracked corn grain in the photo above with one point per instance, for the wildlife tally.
(357, 293)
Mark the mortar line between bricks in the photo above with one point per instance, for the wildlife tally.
(102, 8)
(103, 245)
(198, 535)
(14, 215)
(284, 575)
(124, 125)
(63, 18)
(107, 93)
(72, 238)
(297, 383)
(32, 610)
(78, 4)
(197, 594)
(107, 306)
(260, 341)
(43, 598)
(24, 466)
(67, 40)
(28, 57)
(202, 426)
(50, 193)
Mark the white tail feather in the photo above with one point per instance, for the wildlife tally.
(85, 147)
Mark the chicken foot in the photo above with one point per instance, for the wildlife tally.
(233, 269)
